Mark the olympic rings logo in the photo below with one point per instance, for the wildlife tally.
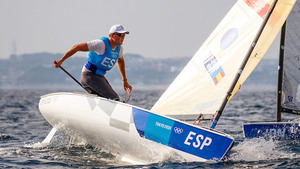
(178, 130)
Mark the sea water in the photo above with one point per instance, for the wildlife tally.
(22, 129)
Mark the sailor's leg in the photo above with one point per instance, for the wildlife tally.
(98, 85)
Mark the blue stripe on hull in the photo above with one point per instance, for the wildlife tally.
(158, 129)
(278, 131)
(183, 137)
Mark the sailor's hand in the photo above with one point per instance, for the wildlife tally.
(127, 86)
(57, 63)
(127, 89)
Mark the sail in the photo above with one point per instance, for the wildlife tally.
(203, 84)
(269, 33)
(290, 98)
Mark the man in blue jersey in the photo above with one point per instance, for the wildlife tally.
(102, 55)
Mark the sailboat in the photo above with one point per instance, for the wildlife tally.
(288, 87)
(203, 87)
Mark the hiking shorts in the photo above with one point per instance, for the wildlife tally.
(96, 84)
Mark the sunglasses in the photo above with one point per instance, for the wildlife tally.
(120, 34)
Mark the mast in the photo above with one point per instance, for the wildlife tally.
(229, 93)
(280, 73)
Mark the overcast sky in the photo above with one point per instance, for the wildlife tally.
(158, 28)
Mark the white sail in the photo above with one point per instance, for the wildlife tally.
(203, 84)
(288, 73)
(269, 33)
(291, 64)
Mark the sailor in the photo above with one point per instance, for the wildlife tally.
(102, 54)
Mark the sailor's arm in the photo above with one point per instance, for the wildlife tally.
(121, 67)
(78, 47)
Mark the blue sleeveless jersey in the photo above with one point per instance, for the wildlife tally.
(99, 64)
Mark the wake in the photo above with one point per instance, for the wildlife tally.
(259, 149)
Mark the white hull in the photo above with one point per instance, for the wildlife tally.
(112, 126)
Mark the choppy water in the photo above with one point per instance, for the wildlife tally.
(22, 127)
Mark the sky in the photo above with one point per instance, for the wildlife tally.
(158, 28)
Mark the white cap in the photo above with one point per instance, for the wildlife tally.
(118, 28)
